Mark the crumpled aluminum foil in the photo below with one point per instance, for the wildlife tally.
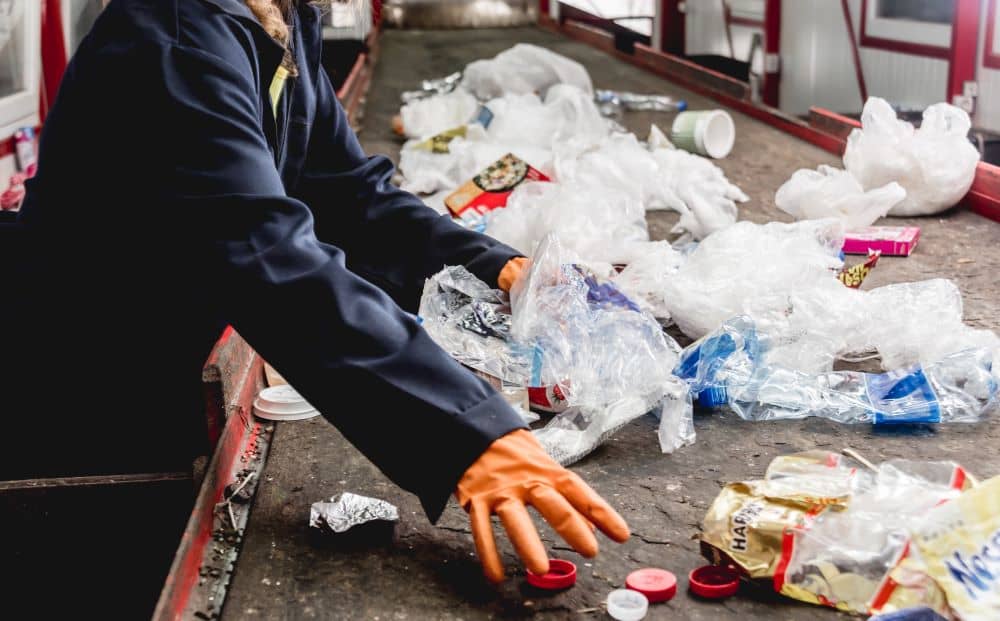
(438, 86)
(347, 510)
(613, 102)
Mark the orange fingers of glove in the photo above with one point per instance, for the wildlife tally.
(514, 472)
(523, 535)
(486, 546)
(511, 271)
(593, 507)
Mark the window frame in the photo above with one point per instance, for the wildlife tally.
(20, 109)
(916, 38)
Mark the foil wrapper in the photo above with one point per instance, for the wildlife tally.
(613, 102)
(438, 86)
(347, 510)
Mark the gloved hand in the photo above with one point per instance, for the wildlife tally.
(515, 471)
(511, 271)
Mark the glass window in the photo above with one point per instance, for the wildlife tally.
(12, 33)
(932, 11)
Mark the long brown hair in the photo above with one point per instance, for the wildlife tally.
(273, 16)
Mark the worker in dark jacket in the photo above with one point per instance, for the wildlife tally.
(196, 170)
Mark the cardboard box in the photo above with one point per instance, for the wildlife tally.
(898, 241)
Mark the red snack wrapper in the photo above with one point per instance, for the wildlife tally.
(490, 189)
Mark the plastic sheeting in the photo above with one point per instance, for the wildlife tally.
(523, 69)
(782, 276)
(935, 164)
(833, 193)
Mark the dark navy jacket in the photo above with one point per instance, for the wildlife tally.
(169, 201)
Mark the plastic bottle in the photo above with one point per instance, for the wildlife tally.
(726, 367)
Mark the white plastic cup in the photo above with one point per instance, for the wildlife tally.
(282, 403)
(705, 132)
(627, 605)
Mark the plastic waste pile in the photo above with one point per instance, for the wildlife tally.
(824, 530)
(782, 276)
(729, 367)
(547, 116)
(892, 168)
(571, 336)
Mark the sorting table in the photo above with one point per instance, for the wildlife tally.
(430, 571)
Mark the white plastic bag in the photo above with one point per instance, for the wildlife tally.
(935, 164)
(596, 222)
(523, 69)
(829, 192)
(426, 117)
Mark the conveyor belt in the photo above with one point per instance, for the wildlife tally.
(430, 571)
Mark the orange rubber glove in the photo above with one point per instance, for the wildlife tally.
(515, 471)
(511, 272)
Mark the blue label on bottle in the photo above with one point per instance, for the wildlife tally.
(903, 396)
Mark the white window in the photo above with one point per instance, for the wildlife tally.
(921, 22)
(19, 64)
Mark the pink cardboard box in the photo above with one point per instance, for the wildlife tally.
(896, 241)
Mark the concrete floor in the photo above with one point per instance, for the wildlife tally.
(430, 572)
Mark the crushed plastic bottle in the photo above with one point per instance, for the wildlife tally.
(727, 367)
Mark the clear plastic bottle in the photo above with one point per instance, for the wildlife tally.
(726, 367)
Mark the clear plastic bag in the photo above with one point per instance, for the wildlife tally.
(829, 192)
(843, 557)
(596, 223)
(472, 323)
(523, 69)
(610, 360)
(782, 276)
(935, 164)
(425, 117)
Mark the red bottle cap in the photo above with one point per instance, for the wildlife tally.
(658, 585)
(714, 582)
(561, 575)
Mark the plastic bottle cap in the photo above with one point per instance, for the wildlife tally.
(627, 605)
(561, 575)
(658, 585)
(714, 582)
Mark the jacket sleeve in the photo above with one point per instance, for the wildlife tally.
(336, 337)
(389, 235)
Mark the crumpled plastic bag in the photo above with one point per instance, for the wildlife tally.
(783, 277)
(424, 118)
(596, 222)
(656, 175)
(471, 321)
(565, 115)
(829, 192)
(577, 332)
(523, 69)
(935, 164)
(610, 360)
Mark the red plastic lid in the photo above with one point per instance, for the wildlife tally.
(658, 585)
(714, 582)
(561, 575)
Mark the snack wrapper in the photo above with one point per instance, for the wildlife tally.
(909, 533)
(854, 275)
(958, 545)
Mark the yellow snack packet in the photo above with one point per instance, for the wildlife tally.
(958, 545)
